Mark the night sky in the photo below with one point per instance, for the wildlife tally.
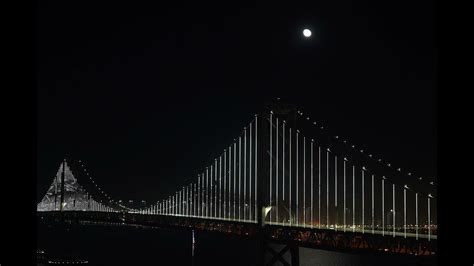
(148, 95)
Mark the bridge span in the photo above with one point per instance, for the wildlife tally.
(278, 185)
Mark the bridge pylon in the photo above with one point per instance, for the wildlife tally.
(285, 113)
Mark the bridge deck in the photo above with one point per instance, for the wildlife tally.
(328, 239)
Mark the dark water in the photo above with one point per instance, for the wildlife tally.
(127, 246)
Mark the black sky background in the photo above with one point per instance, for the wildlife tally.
(148, 95)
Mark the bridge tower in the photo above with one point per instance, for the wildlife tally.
(284, 112)
(62, 185)
(288, 113)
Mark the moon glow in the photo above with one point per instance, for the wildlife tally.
(306, 33)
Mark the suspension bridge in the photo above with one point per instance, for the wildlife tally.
(284, 179)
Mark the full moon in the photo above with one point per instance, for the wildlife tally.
(306, 32)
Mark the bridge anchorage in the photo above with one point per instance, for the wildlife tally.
(276, 184)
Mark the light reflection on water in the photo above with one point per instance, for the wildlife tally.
(124, 246)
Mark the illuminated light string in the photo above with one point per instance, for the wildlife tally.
(384, 178)
(370, 155)
(365, 169)
(362, 151)
(110, 200)
(148, 209)
(208, 197)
